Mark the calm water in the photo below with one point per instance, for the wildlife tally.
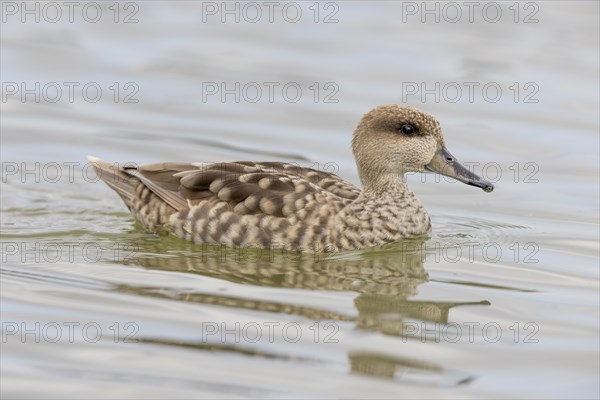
(500, 301)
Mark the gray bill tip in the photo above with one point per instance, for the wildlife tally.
(484, 185)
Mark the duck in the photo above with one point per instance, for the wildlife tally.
(279, 205)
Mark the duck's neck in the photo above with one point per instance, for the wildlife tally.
(385, 187)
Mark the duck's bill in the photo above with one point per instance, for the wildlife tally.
(446, 164)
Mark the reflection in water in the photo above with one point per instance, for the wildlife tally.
(228, 348)
(407, 370)
(384, 279)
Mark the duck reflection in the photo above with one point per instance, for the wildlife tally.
(384, 278)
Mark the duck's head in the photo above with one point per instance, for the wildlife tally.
(391, 140)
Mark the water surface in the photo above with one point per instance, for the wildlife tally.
(501, 300)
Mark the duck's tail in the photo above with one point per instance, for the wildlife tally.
(116, 178)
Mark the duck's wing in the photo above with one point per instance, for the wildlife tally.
(269, 188)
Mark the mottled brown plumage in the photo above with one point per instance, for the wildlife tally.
(279, 205)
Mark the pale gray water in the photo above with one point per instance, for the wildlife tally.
(92, 306)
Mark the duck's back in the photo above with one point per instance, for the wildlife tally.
(242, 203)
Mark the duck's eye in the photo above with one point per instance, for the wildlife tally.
(408, 129)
